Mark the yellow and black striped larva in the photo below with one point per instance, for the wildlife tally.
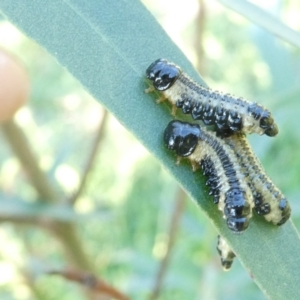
(228, 113)
(226, 254)
(268, 199)
(218, 163)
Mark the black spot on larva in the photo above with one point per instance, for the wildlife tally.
(179, 103)
(210, 172)
(263, 209)
(221, 118)
(207, 167)
(187, 105)
(208, 115)
(214, 95)
(197, 111)
(255, 111)
(225, 132)
(260, 207)
(234, 121)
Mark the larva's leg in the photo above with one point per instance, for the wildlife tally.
(149, 89)
(195, 166)
(178, 160)
(173, 112)
(161, 99)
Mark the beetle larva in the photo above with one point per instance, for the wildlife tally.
(228, 113)
(226, 254)
(218, 163)
(269, 201)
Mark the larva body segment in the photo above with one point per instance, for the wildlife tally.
(228, 113)
(227, 183)
(226, 254)
(269, 201)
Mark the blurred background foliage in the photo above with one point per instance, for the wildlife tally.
(124, 213)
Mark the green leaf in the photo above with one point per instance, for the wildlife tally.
(264, 19)
(107, 45)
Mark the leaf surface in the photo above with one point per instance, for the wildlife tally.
(264, 19)
(107, 46)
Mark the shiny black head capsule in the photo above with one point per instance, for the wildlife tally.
(181, 137)
(163, 74)
(267, 123)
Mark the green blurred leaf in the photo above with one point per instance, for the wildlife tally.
(264, 19)
(107, 46)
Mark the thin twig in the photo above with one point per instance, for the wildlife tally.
(200, 28)
(174, 224)
(91, 282)
(65, 232)
(90, 158)
(20, 146)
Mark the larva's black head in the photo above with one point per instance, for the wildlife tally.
(266, 122)
(162, 74)
(181, 137)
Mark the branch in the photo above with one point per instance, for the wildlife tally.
(91, 282)
(174, 224)
(198, 40)
(20, 146)
(91, 158)
(64, 231)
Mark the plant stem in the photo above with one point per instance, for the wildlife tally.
(64, 231)
(174, 224)
(90, 158)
